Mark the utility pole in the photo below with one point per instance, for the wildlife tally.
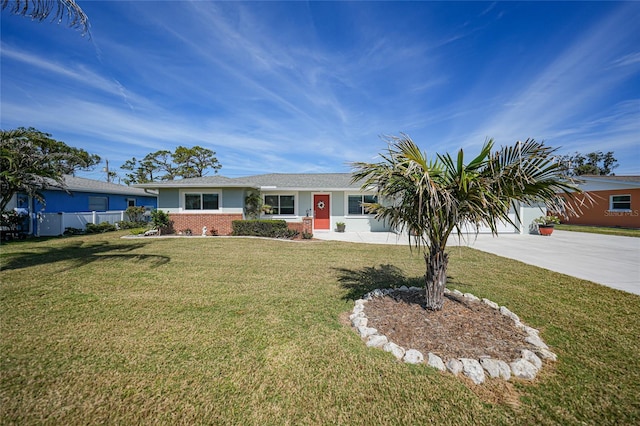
(106, 169)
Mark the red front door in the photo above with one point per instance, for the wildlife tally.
(321, 211)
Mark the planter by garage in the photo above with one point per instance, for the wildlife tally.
(545, 229)
(340, 227)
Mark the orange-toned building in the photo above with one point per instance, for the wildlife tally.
(616, 202)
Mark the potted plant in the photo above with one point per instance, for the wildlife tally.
(340, 226)
(546, 224)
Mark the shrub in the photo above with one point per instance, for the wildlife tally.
(135, 213)
(307, 235)
(11, 219)
(289, 234)
(100, 228)
(73, 231)
(160, 220)
(126, 224)
(263, 228)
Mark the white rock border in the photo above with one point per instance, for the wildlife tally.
(526, 367)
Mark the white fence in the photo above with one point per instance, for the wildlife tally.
(52, 224)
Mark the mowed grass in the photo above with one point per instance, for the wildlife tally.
(625, 232)
(103, 330)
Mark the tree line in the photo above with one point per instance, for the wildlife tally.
(166, 165)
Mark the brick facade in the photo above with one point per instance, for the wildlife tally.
(304, 227)
(222, 223)
(214, 222)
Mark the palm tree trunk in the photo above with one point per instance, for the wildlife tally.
(436, 278)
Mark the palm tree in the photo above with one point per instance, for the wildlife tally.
(431, 198)
(42, 9)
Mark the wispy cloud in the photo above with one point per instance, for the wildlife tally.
(628, 59)
(310, 86)
(574, 83)
(76, 72)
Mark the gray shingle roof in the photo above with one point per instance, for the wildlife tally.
(324, 181)
(211, 181)
(633, 179)
(289, 181)
(79, 184)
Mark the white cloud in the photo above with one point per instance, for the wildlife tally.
(568, 88)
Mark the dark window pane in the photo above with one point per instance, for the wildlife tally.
(98, 204)
(272, 200)
(210, 201)
(354, 204)
(192, 201)
(287, 204)
(369, 199)
(621, 206)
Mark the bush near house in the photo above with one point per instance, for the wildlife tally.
(126, 224)
(93, 228)
(262, 228)
(160, 220)
(73, 231)
(135, 214)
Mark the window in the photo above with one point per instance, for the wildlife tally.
(620, 202)
(98, 204)
(201, 201)
(280, 204)
(355, 203)
(131, 202)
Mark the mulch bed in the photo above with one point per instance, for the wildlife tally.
(462, 329)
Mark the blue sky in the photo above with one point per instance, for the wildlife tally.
(310, 86)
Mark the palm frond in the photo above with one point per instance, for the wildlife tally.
(57, 9)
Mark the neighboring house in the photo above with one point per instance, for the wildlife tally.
(616, 202)
(309, 202)
(84, 196)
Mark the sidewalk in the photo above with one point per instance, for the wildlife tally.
(604, 259)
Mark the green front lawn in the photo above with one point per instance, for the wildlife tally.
(102, 330)
(625, 232)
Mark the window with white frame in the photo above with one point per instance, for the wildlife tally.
(620, 202)
(280, 204)
(201, 201)
(355, 203)
(98, 204)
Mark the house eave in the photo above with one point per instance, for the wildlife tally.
(310, 189)
(193, 185)
(609, 181)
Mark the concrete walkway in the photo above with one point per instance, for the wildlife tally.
(604, 259)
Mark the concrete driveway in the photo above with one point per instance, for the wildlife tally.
(604, 259)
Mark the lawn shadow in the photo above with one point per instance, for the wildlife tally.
(358, 282)
(80, 254)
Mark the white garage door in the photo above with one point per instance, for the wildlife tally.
(503, 227)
